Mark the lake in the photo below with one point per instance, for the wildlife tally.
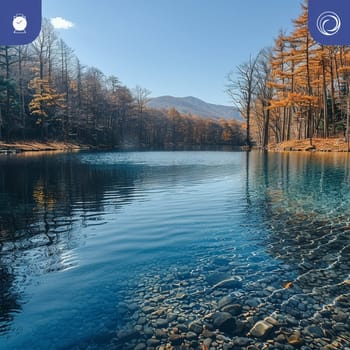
(143, 249)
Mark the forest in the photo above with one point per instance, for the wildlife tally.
(297, 89)
(46, 93)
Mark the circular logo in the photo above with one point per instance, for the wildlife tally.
(328, 23)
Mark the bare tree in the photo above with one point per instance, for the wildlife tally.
(241, 87)
(44, 49)
(263, 93)
(66, 59)
(141, 96)
(22, 53)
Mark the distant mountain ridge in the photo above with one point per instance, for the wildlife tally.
(195, 106)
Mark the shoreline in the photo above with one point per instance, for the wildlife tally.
(19, 147)
(316, 145)
(334, 145)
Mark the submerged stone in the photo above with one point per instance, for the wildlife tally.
(233, 309)
(224, 321)
(161, 323)
(230, 283)
(225, 301)
(216, 277)
(175, 339)
(295, 339)
(127, 335)
(195, 327)
(272, 321)
(242, 341)
(261, 329)
(191, 336)
(314, 331)
(148, 309)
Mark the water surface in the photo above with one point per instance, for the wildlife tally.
(84, 235)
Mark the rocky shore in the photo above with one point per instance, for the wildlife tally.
(231, 302)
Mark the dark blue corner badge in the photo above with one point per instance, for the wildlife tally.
(20, 21)
(329, 21)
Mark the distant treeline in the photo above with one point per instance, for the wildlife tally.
(46, 93)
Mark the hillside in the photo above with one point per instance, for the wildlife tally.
(195, 106)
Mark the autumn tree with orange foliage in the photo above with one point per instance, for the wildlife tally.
(308, 86)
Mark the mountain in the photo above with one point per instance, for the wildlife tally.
(195, 106)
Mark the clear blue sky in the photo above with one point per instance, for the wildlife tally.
(171, 47)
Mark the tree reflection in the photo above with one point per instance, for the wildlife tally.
(8, 298)
(41, 200)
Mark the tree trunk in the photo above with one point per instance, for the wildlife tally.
(266, 130)
(325, 106)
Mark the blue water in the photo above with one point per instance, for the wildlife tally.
(79, 230)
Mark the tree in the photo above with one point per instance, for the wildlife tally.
(64, 83)
(263, 93)
(8, 58)
(241, 88)
(141, 96)
(44, 102)
(23, 56)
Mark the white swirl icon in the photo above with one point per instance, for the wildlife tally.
(328, 23)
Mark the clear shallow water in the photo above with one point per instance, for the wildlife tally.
(84, 234)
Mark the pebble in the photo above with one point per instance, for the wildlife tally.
(230, 283)
(295, 339)
(153, 342)
(224, 321)
(195, 327)
(341, 316)
(132, 306)
(271, 320)
(216, 277)
(171, 317)
(161, 323)
(148, 309)
(191, 335)
(225, 301)
(253, 302)
(314, 331)
(175, 339)
(261, 329)
(181, 296)
(141, 321)
(207, 342)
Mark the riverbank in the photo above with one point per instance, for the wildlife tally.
(316, 145)
(34, 146)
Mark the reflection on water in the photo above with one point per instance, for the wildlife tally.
(43, 202)
(93, 239)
